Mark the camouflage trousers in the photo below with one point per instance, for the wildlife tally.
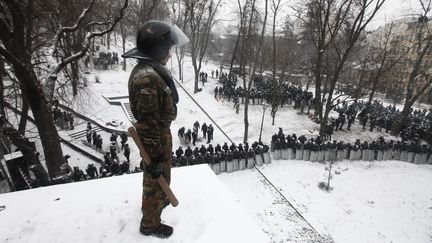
(153, 198)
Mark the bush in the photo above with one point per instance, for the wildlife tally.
(323, 186)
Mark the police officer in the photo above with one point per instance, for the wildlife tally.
(153, 99)
(124, 138)
(126, 151)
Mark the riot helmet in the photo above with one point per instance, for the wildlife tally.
(154, 40)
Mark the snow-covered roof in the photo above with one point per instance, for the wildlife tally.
(109, 210)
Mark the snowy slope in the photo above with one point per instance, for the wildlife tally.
(108, 210)
(370, 202)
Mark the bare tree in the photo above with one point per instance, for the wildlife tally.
(242, 18)
(335, 27)
(249, 44)
(383, 59)
(180, 18)
(141, 11)
(422, 45)
(201, 15)
(23, 36)
(275, 84)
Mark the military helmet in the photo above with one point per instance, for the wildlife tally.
(154, 40)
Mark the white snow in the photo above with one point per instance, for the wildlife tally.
(370, 202)
(108, 210)
(13, 155)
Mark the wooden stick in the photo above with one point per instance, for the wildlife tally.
(146, 157)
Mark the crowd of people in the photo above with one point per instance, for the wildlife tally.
(316, 149)
(203, 77)
(225, 158)
(63, 119)
(378, 117)
(105, 60)
(290, 94)
(192, 137)
(107, 169)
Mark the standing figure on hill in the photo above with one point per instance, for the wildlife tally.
(210, 133)
(204, 129)
(123, 137)
(216, 92)
(92, 171)
(126, 152)
(89, 136)
(181, 135)
(188, 136)
(194, 137)
(196, 127)
(179, 152)
(94, 137)
(71, 121)
(153, 99)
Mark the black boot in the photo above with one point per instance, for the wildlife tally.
(164, 231)
(166, 203)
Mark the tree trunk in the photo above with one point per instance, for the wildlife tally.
(75, 77)
(43, 119)
(323, 122)
(234, 54)
(2, 71)
(124, 49)
(115, 38)
(371, 95)
(246, 117)
(108, 41)
(24, 115)
(180, 69)
(401, 119)
(196, 82)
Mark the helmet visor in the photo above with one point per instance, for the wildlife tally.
(178, 36)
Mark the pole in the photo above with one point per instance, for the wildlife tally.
(262, 122)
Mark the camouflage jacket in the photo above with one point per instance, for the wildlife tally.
(150, 98)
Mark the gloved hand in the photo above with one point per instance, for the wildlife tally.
(155, 169)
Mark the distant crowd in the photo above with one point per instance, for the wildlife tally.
(191, 137)
(63, 119)
(315, 149)
(225, 158)
(104, 61)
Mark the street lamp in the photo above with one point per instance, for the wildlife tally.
(264, 107)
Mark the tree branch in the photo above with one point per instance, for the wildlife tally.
(87, 42)
(65, 29)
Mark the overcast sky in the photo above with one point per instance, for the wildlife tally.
(396, 9)
(391, 10)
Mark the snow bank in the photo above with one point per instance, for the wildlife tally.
(388, 201)
(108, 210)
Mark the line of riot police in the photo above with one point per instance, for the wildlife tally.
(224, 158)
(316, 150)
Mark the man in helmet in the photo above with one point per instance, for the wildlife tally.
(153, 98)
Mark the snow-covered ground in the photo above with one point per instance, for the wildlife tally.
(108, 210)
(370, 202)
